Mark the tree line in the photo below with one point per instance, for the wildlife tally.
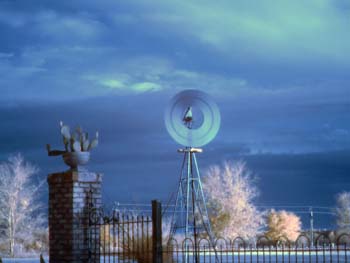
(231, 191)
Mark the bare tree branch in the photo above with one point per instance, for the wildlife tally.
(19, 209)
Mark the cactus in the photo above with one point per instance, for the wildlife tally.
(65, 131)
(71, 143)
(76, 141)
(94, 142)
(82, 139)
(76, 146)
(65, 143)
(86, 145)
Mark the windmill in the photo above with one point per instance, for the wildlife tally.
(192, 119)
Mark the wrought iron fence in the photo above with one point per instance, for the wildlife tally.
(263, 250)
(121, 238)
(125, 238)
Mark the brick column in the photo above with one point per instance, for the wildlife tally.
(71, 193)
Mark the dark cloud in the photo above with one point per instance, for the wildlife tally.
(70, 48)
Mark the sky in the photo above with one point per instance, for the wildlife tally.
(278, 70)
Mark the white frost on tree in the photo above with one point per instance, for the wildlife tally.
(283, 225)
(231, 191)
(342, 211)
(20, 217)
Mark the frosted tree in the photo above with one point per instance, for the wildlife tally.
(342, 211)
(231, 191)
(20, 215)
(283, 224)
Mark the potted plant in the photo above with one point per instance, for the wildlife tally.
(77, 146)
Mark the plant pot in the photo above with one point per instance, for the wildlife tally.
(76, 159)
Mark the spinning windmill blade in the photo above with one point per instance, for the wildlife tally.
(192, 118)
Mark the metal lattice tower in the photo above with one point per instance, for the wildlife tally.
(193, 120)
(190, 214)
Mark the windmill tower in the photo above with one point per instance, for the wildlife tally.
(193, 120)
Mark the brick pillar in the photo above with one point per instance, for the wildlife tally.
(71, 193)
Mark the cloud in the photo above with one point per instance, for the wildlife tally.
(12, 18)
(6, 55)
(75, 72)
(112, 83)
(250, 51)
(139, 74)
(287, 30)
(67, 29)
(146, 86)
(139, 87)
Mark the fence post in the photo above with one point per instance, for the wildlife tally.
(157, 231)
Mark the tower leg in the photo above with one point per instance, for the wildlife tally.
(177, 217)
(190, 212)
